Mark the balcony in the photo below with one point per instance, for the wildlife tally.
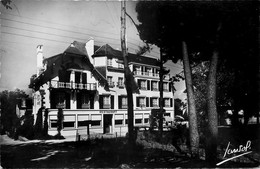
(147, 74)
(150, 74)
(72, 85)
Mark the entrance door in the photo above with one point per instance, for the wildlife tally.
(107, 123)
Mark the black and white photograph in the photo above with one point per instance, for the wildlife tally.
(129, 84)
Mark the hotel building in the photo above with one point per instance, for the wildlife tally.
(87, 82)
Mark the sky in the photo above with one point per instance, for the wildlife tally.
(56, 24)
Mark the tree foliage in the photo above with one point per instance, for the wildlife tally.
(9, 119)
(211, 31)
(6, 4)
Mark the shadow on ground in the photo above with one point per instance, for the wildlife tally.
(108, 153)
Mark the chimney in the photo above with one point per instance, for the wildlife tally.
(39, 59)
(90, 48)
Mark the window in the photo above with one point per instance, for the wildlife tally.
(126, 119)
(121, 82)
(165, 87)
(85, 101)
(138, 119)
(122, 102)
(146, 118)
(119, 118)
(156, 72)
(142, 84)
(154, 86)
(80, 77)
(83, 120)
(53, 121)
(140, 102)
(137, 70)
(167, 102)
(109, 62)
(110, 82)
(60, 100)
(106, 101)
(149, 71)
(154, 102)
(69, 121)
(96, 120)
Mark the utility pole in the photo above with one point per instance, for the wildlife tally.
(161, 74)
(128, 82)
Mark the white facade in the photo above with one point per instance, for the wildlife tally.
(85, 102)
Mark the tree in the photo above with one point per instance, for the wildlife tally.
(6, 4)
(204, 31)
(45, 123)
(38, 124)
(178, 107)
(156, 29)
(9, 119)
(60, 118)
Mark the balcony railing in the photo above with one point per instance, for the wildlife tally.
(72, 85)
(150, 74)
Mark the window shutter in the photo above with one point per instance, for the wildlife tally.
(79, 102)
(120, 102)
(151, 102)
(148, 85)
(77, 77)
(147, 101)
(67, 100)
(139, 83)
(170, 88)
(112, 101)
(101, 102)
(84, 78)
(92, 101)
(171, 102)
(137, 102)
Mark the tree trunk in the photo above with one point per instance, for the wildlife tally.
(161, 96)
(193, 125)
(211, 143)
(130, 111)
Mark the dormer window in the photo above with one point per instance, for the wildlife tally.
(110, 82)
(109, 62)
(121, 82)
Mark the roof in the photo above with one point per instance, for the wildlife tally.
(77, 48)
(107, 50)
(65, 61)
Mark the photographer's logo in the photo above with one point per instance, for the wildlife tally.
(242, 149)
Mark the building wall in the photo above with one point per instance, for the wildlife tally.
(76, 119)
